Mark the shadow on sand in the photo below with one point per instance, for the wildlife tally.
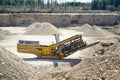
(55, 62)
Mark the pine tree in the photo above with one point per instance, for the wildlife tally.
(0, 2)
(48, 4)
(104, 5)
(117, 3)
(32, 5)
(94, 4)
(56, 3)
(4, 4)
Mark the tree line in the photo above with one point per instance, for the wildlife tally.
(39, 4)
(105, 4)
(36, 5)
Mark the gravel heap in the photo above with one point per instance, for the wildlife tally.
(97, 68)
(14, 68)
(42, 29)
(115, 48)
(96, 31)
(101, 67)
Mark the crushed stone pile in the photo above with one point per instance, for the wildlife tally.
(101, 67)
(93, 51)
(109, 41)
(14, 68)
(116, 29)
(42, 29)
(97, 68)
(4, 33)
(53, 73)
(115, 48)
(96, 31)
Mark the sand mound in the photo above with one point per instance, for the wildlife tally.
(4, 33)
(79, 28)
(96, 31)
(84, 27)
(35, 24)
(13, 68)
(42, 29)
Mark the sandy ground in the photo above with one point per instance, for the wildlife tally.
(16, 29)
(10, 43)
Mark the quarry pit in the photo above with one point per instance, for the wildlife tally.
(41, 27)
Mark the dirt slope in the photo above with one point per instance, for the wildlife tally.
(14, 68)
(96, 68)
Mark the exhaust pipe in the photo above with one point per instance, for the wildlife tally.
(57, 38)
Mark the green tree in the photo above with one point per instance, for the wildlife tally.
(116, 3)
(32, 5)
(48, 4)
(56, 3)
(41, 3)
(99, 5)
(74, 4)
(52, 5)
(1, 1)
(4, 4)
(65, 5)
(94, 5)
(104, 5)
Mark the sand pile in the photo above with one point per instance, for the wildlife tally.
(101, 67)
(33, 25)
(79, 28)
(97, 68)
(84, 27)
(4, 33)
(13, 68)
(42, 29)
(93, 31)
(96, 31)
(115, 48)
(116, 29)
